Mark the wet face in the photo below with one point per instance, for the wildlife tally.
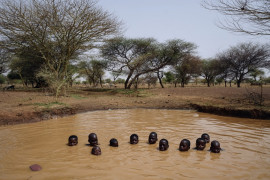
(114, 142)
(152, 138)
(92, 139)
(96, 150)
(73, 140)
(163, 145)
(134, 139)
(200, 144)
(184, 145)
(206, 137)
(215, 147)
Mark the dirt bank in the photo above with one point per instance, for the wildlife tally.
(28, 105)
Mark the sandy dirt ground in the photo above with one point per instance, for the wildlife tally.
(31, 105)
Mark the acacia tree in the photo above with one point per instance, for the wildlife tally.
(256, 73)
(169, 77)
(243, 58)
(128, 55)
(93, 70)
(140, 56)
(27, 69)
(224, 72)
(209, 70)
(186, 68)
(245, 16)
(58, 30)
(27, 63)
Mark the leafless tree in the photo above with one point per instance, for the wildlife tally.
(244, 16)
(58, 30)
(244, 58)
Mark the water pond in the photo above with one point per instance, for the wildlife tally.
(246, 144)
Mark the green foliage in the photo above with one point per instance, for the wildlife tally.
(256, 73)
(244, 58)
(13, 75)
(209, 70)
(2, 79)
(188, 66)
(108, 80)
(93, 70)
(56, 31)
(77, 96)
(120, 81)
(137, 57)
(169, 77)
(266, 80)
(27, 65)
(219, 80)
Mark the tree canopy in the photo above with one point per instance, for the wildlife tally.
(57, 30)
(209, 70)
(140, 56)
(244, 58)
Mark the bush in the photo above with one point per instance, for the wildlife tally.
(120, 81)
(12, 75)
(2, 79)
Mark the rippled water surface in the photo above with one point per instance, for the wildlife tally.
(246, 145)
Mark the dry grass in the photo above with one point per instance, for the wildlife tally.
(27, 105)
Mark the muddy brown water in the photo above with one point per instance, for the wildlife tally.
(246, 144)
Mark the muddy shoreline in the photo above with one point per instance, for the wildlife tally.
(18, 107)
(31, 117)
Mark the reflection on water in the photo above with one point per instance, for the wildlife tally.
(246, 143)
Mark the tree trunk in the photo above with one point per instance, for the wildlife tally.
(100, 82)
(225, 83)
(238, 83)
(128, 78)
(208, 82)
(131, 82)
(160, 80)
(182, 84)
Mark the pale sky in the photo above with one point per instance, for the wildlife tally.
(176, 19)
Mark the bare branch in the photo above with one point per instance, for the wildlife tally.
(243, 16)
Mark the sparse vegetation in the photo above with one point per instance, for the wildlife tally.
(50, 104)
(33, 103)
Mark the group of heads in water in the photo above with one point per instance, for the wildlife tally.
(163, 143)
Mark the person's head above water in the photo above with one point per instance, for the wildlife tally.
(200, 144)
(92, 139)
(96, 150)
(215, 147)
(72, 140)
(184, 145)
(163, 144)
(114, 142)
(206, 137)
(134, 139)
(152, 138)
